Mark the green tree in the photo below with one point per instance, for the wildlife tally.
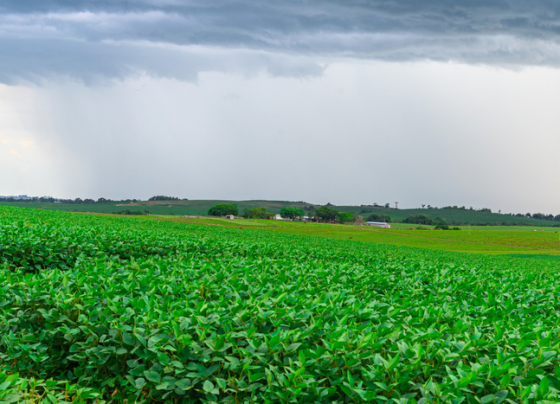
(379, 218)
(420, 219)
(163, 198)
(325, 214)
(291, 212)
(223, 209)
(256, 213)
(438, 221)
(346, 217)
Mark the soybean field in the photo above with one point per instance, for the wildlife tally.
(109, 309)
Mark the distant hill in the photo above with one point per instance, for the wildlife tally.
(451, 216)
(200, 207)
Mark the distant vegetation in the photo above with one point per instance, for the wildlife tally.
(223, 209)
(164, 198)
(133, 212)
(257, 213)
(452, 215)
(379, 218)
(423, 219)
(346, 217)
(325, 214)
(291, 212)
(328, 214)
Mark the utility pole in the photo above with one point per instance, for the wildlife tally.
(396, 205)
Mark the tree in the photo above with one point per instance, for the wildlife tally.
(438, 221)
(163, 198)
(423, 219)
(325, 213)
(291, 212)
(256, 213)
(346, 217)
(223, 209)
(379, 218)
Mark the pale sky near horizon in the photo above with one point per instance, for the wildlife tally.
(350, 102)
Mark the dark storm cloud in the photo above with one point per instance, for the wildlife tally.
(114, 38)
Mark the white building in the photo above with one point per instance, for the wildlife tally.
(277, 217)
(383, 225)
(230, 217)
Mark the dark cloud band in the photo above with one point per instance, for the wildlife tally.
(115, 38)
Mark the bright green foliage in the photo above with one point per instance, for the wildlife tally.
(223, 209)
(291, 212)
(167, 312)
(345, 217)
(14, 389)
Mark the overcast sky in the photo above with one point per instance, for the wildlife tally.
(351, 102)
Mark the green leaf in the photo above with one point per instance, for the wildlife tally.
(347, 390)
(393, 362)
(183, 384)
(506, 380)
(211, 370)
(208, 386)
(152, 376)
(464, 381)
(293, 347)
(525, 393)
(487, 399)
(222, 383)
(350, 379)
(301, 355)
(500, 396)
(127, 338)
(140, 382)
(544, 386)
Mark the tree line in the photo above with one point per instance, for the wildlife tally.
(85, 201)
(323, 214)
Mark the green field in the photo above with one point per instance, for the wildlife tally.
(200, 207)
(107, 309)
(488, 240)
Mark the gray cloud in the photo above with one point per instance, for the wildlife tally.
(111, 39)
(34, 60)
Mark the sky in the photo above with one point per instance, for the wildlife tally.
(351, 102)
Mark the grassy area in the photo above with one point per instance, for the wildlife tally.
(200, 207)
(513, 240)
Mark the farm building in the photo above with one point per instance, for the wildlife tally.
(379, 224)
(277, 217)
(230, 217)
